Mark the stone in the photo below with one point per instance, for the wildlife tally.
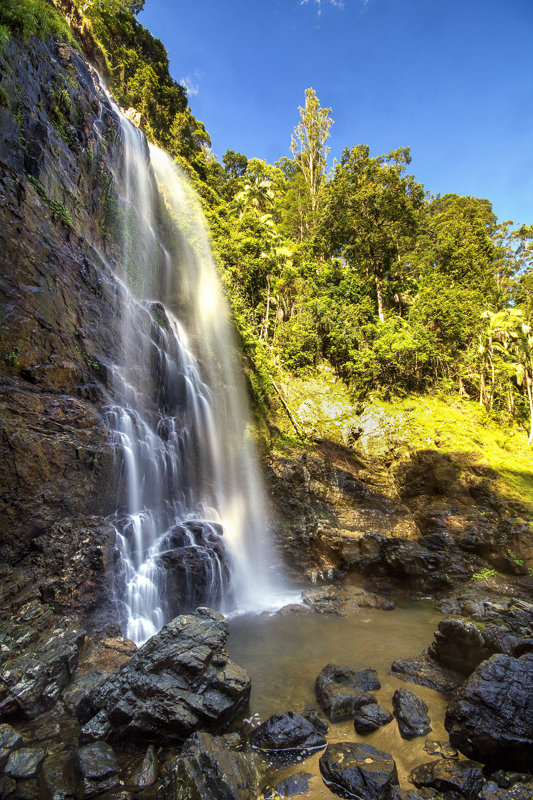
(146, 774)
(52, 784)
(98, 728)
(180, 681)
(79, 688)
(25, 762)
(411, 714)
(27, 789)
(7, 787)
(465, 777)
(293, 785)
(32, 683)
(288, 731)
(444, 749)
(520, 791)
(412, 794)
(207, 770)
(343, 600)
(10, 739)
(491, 718)
(317, 720)
(92, 770)
(341, 691)
(424, 671)
(460, 645)
(359, 770)
(370, 718)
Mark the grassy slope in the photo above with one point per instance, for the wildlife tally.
(445, 423)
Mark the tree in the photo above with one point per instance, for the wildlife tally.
(308, 145)
(235, 164)
(371, 210)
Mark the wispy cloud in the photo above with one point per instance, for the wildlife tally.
(338, 3)
(192, 88)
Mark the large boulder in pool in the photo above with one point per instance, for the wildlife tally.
(179, 682)
(287, 732)
(491, 718)
(411, 714)
(341, 691)
(358, 770)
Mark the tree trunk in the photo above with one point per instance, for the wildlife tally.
(529, 384)
(379, 289)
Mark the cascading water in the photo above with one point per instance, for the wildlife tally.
(190, 477)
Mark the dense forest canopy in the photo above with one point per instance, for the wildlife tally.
(401, 291)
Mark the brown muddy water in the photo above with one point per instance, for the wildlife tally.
(284, 655)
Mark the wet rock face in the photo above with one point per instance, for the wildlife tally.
(462, 645)
(92, 770)
(491, 718)
(59, 298)
(411, 713)
(33, 682)
(180, 681)
(287, 732)
(206, 769)
(464, 777)
(342, 600)
(341, 691)
(359, 770)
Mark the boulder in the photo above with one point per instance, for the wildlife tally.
(342, 690)
(358, 770)
(520, 791)
(424, 671)
(411, 714)
(371, 717)
(462, 645)
(288, 731)
(465, 777)
(52, 784)
(7, 787)
(317, 720)
(10, 739)
(181, 680)
(207, 770)
(491, 718)
(97, 729)
(92, 770)
(293, 785)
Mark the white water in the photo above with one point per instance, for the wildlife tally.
(180, 419)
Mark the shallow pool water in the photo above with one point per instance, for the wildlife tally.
(284, 654)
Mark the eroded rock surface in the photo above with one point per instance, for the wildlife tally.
(359, 770)
(491, 718)
(180, 681)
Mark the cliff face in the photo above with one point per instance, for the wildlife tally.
(59, 147)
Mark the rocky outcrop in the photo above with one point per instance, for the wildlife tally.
(343, 600)
(490, 719)
(447, 775)
(180, 681)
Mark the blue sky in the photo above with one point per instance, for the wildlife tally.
(452, 79)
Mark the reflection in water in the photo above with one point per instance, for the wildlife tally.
(284, 655)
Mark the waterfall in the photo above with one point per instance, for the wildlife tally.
(192, 523)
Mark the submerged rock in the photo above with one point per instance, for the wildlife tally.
(289, 731)
(343, 600)
(370, 718)
(342, 690)
(207, 770)
(491, 718)
(411, 714)
(358, 770)
(293, 785)
(181, 680)
(465, 777)
(424, 671)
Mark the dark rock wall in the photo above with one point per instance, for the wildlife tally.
(59, 147)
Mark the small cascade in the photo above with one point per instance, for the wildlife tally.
(191, 523)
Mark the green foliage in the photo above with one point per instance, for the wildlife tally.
(27, 18)
(11, 356)
(4, 99)
(484, 574)
(58, 209)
